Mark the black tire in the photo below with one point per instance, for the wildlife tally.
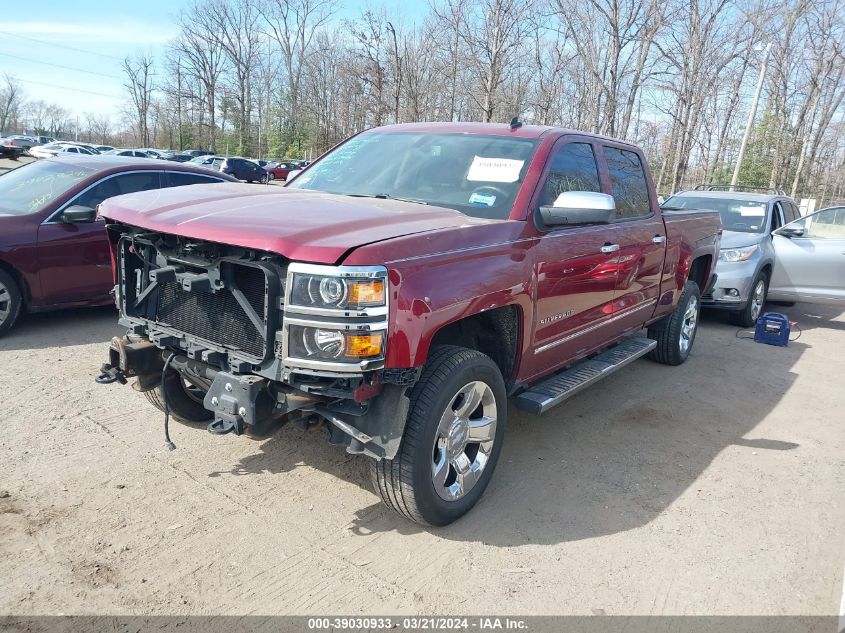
(405, 483)
(184, 406)
(667, 331)
(265, 179)
(11, 302)
(746, 316)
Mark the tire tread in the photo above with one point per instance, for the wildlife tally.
(393, 479)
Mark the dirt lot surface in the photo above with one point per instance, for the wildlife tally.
(715, 487)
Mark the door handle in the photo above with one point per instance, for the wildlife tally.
(609, 248)
(658, 239)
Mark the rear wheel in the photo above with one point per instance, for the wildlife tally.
(183, 398)
(10, 302)
(675, 334)
(747, 317)
(453, 436)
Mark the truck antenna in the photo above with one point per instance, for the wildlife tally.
(516, 123)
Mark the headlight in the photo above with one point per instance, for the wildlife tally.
(314, 343)
(339, 293)
(737, 254)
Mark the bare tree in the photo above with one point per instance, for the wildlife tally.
(11, 101)
(139, 83)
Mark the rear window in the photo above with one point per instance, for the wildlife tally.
(30, 188)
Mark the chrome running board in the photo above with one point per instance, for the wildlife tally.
(552, 391)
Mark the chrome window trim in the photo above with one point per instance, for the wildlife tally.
(60, 210)
(160, 172)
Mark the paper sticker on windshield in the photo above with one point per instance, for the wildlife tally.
(483, 199)
(494, 169)
(753, 211)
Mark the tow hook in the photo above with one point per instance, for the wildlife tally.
(221, 427)
(110, 374)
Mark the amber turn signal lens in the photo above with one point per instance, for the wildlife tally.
(364, 345)
(366, 293)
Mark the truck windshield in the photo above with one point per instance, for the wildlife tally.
(478, 175)
(742, 216)
(30, 188)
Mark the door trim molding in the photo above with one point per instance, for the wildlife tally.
(591, 328)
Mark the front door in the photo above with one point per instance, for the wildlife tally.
(810, 259)
(575, 267)
(74, 260)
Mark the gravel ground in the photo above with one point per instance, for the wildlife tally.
(715, 487)
(711, 488)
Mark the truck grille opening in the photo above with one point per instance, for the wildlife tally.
(218, 317)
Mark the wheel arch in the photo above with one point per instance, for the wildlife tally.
(496, 333)
(14, 273)
(699, 271)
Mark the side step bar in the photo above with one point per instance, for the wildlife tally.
(552, 391)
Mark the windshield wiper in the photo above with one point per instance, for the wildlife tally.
(384, 196)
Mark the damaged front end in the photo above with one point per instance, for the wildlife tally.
(261, 339)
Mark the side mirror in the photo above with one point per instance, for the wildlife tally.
(79, 214)
(579, 207)
(791, 231)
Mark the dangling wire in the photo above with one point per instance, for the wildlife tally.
(167, 440)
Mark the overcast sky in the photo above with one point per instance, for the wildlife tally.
(70, 52)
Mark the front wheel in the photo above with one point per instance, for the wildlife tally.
(747, 317)
(453, 437)
(675, 334)
(10, 301)
(183, 399)
(265, 179)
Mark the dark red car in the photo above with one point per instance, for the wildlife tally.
(53, 248)
(280, 171)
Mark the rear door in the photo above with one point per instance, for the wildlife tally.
(810, 259)
(575, 267)
(74, 260)
(641, 237)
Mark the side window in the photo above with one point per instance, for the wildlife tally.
(573, 168)
(628, 183)
(828, 224)
(178, 179)
(794, 212)
(118, 185)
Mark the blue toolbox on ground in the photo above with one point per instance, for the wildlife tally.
(772, 329)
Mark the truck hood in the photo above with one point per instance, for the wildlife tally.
(738, 239)
(301, 225)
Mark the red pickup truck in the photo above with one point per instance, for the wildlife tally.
(401, 288)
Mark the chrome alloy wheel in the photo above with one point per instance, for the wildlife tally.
(758, 298)
(689, 324)
(5, 303)
(464, 440)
